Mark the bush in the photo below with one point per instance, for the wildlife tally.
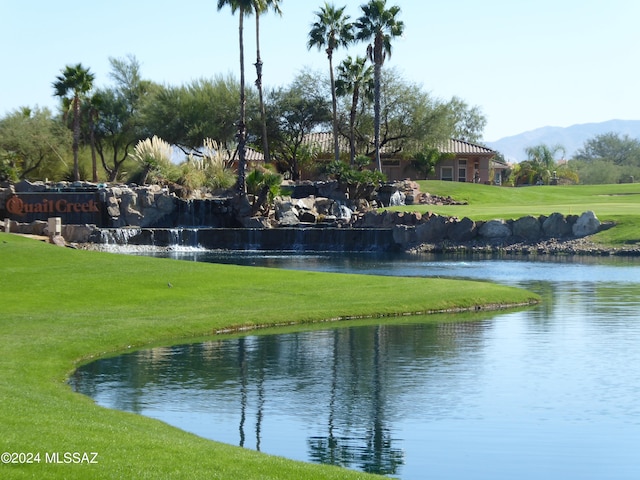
(265, 185)
(358, 183)
(154, 155)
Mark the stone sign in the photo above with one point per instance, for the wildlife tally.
(72, 208)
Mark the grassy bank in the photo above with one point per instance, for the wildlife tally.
(617, 203)
(62, 306)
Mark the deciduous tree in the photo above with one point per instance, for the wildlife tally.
(117, 122)
(33, 145)
(298, 110)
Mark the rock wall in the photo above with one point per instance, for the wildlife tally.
(412, 229)
(318, 206)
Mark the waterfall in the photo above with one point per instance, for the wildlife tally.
(118, 236)
(397, 199)
(282, 239)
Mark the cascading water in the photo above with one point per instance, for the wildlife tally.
(285, 239)
(118, 236)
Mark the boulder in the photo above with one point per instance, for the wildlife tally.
(462, 230)
(58, 240)
(527, 227)
(146, 198)
(165, 203)
(133, 217)
(78, 233)
(306, 203)
(556, 226)
(435, 230)
(25, 186)
(308, 216)
(113, 206)
(366, 220)
(587, 224)
(495, 229)
(129, 208)
(288, 219)
(37, 227)
(325, 206)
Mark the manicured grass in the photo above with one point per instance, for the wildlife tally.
(618, 203)
(61, 307)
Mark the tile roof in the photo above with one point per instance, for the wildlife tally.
(324, 140)
(250, 155)
(464, 148)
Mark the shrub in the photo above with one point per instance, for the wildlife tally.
(154, 156)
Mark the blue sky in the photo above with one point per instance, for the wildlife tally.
(525, 63)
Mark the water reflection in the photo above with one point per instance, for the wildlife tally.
(347, 386)
(548, 392)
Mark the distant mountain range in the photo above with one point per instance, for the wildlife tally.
(571, 138)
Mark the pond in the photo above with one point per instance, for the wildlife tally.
(548, 392)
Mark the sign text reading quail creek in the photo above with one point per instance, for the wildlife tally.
(73, 208)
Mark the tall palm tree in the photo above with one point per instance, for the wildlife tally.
(72, 86)
(260, 7)
(331, 30)
(380, 25)
(92, 107)
(354, 77)
(244, 7)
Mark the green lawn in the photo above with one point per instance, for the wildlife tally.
(618, 203)
(62, 307)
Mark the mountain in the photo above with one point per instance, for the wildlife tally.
(571, 138)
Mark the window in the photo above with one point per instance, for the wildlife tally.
(462, 170)
(446, 173)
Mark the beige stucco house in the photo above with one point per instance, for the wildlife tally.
(468, 161)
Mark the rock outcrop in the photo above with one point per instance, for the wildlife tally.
(323, 205)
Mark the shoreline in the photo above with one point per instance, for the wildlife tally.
(552, 247)
(558, 247)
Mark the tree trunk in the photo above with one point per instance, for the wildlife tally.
(263, 115)
(376, 115)
(92, 141)
(352, 123)
(242, 134)
(334, 105)
(377, 61)
(76, 137)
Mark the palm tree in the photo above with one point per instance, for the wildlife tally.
(93, 113)
(542, 160)
(72, 86)
(260, 7)
(244, 7)
(331, 30)
(380, 25)
(353, 77)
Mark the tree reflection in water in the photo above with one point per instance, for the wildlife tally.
(372, 452)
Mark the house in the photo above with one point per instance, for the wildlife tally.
(469, 162)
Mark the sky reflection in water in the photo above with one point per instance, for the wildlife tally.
(549, 392)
